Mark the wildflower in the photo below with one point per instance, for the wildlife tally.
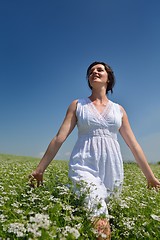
(2, 218)
(72, 231)
(16, 204)
(104, 236)
(123, 204)
(155, 217)
(17, 228)
(34, 229)
(129, 223)
(19, 211)
(41, 220)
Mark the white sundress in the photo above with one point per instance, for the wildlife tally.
(96, 157)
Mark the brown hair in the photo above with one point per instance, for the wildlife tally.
(111, 77)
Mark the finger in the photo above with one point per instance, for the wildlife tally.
(32, 184)
(158, 187)
(31, 177)
(32, 181)
(40, 183)
(154, 187)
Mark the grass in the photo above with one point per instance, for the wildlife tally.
(53, 211)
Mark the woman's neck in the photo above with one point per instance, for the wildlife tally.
(99, 96)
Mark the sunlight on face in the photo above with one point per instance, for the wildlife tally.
(99, 74)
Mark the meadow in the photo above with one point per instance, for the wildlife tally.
(53, 211)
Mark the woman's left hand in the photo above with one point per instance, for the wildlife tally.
(154, 183)
(35, 179)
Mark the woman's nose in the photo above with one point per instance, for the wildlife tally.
(94, 71)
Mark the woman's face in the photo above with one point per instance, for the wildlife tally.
(98, 74)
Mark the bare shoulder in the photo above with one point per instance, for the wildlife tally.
(122, 110)
(74, 103)
(72, 106)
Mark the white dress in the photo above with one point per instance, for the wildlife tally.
(96, 157)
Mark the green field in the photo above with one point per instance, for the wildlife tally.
(53, 211)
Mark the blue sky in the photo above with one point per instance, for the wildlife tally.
(45, 49)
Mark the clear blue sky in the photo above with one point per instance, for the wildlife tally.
(45, 49)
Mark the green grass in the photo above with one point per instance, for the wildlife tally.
(53, 211)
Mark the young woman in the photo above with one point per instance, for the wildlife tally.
(96, 157)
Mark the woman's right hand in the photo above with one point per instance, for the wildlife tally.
(35, 179)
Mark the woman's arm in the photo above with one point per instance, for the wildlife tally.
(129, 138)
(64, 131)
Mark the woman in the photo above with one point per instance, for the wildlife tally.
(96, 157)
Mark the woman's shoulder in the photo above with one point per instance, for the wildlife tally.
(119, 107)
(116, 104)
(76, 101)
(79, 100)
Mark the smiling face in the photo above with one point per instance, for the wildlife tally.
(98, 74)
(101, 72)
